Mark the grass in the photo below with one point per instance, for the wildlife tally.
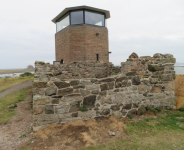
(14, 70)
(6, 83)
(166, 133)
(12, 98)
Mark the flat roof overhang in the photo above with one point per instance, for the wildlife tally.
(106, 12)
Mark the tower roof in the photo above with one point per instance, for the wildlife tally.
(106, 12)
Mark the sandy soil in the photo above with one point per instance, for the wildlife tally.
(179, 91)
(17, 126)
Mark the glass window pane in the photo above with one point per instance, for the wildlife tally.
(76, 17)
(94, 18)
(62, 23)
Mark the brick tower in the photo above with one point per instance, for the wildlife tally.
(81, 35)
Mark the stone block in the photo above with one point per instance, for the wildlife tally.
(131, 73)
(73, 97)
(156, 89)
(106, 80)
(141, 110)
(79, 87)
(132, 112)
(38, 91)
(61, 85)
(38, 110)
(166, 77)
(154, 67)
(89, 101)
(39, 84)
(105, 111)
(66, 91)
(84, 92)
(92, 87)
(87, 114)
(41, 100)
(85, 82)
(103, 93)
(62, 108)
(153, 80)
(95, 92)
(44, 119)
(74, 82)
(117, 114)
(107, 100)
(75, 106)
(127, 106)
(104, 87)
(142, 88)
(136, 80)
(74, 114)
(115, 107)
(50, 91)
(49, 109)
(55, 100)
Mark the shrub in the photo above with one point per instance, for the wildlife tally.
(26, 74)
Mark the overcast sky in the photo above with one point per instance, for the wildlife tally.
(142, 26)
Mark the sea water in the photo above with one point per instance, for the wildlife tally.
(12, 74)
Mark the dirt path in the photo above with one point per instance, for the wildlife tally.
(16, 88)
(21, 124)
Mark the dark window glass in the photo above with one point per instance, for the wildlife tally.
(94, 18)
(62, 22)
(77, 17)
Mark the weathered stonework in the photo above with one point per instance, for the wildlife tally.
(62, 92)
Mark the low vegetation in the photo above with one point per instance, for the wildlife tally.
(6, 83)
(164, 132)
(12, 98)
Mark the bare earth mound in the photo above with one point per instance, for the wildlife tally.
(78, 134)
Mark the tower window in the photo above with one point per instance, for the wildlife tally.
(62, 62)
(97, 58)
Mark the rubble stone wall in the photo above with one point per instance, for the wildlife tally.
(83, 90)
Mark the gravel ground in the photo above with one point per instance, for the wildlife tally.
(16, 88)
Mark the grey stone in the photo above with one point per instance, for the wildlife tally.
(127, 106)
(73, 97)
(112, 133)
(75, 114)
(49, 109)
(84, 92)
(39, 84)
(116, 90)
(104, 87)
(89, 101)
(154, 67)
(44, 119)
(115, 107)
(141, 110)
(142, 88)
(62, 108)
(66, 91)
(56, 96)
(136, 80)
(105, 111)
(95, 92)
(41, 100)
(134, 105)
(55, 100)
(131, 73)
(106, 80)
(50, 91)
(38, 91)
(11, 106)
(103, 93)
(87, 114)
(79, 87)
(132, 112)
(94, 80)
(61, 85)
(121, 82)
(38, 109)
(74, 82)
(117, 114)
(75, 106)
(92, 87)
(166, 77)
(153, 80)
(85, 82)
(107, 100)
(97, 105)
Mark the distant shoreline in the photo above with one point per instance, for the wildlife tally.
(15, 71)
(178, 66)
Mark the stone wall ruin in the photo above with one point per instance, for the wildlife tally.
(83, 90)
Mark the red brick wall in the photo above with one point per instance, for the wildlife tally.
(80, 43)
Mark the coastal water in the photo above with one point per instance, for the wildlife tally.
(179, 70)
(12, 75)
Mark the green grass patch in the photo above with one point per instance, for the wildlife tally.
(12, 98)
(6, 83)
(164, 132)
